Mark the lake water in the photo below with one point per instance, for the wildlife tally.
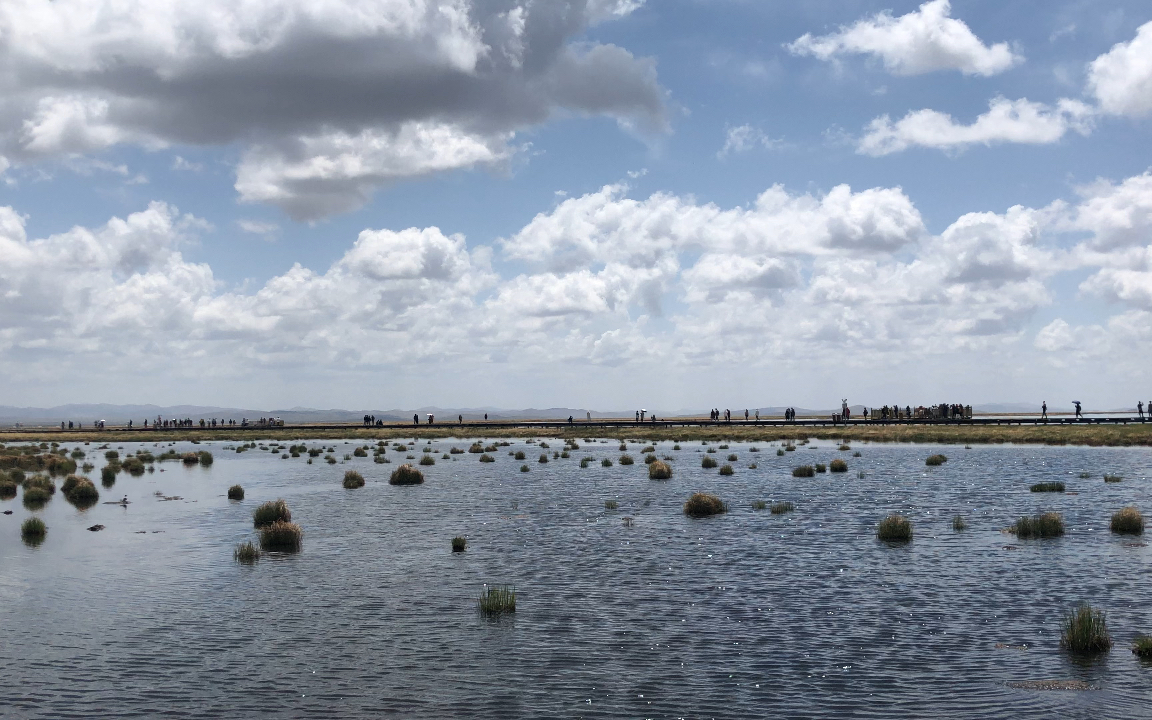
(746, 614)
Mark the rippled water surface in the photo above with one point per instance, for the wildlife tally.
(747, 614)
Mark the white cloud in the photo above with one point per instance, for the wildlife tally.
(1121, 79)
(923, 41)
(745, 138)
(258, 227)
(1016, 121)
(326, 100)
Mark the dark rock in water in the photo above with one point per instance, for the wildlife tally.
(141, 532)
(7, 512)
(96, 528)
(1052, 685)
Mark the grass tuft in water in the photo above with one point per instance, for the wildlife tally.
(606, 463)
(36, 496)
(497, 600)
(726, 470)
(626, 460)
(784, 506)
(1047, 487)
(353, 480)
(759, 505)
(894, 528)
(33, 527)
(1142, 646)
(934, 460)
(523, 468)
(459, 543)
(519, 455)
(704, 505)
(708, 462)
(1084, 631)
(779, 452)
(958, 522)
(1045, 525)
(838, 466)
(611, 505)
(281, 536)
(821, 468)
(83, 494)
(1113, 478)
(844, 448)
(427, 460)
(659, 470)
(543, 458)
(271, 512)
(406, 475)
(804, 471)
(1127, 521)
(246, 553)
(236, 492)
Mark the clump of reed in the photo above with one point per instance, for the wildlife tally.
(958, 523)
(1113, 478)
(857, 454)
(1084, 631)
(844, 448)
(659, 470)
(36, 496)
(626, 460)
(519, 455)
(804, 471)
(711, 450)
(271, 512)
(648, 449)
(281, 536)
(459, 543)
(69, 484)
(724, 446)
(708, 462)
(894, 528)
(1056, 486)
(676, 446)
(496, 600)
(33, 530)
(427, 460)
(606, 462)
(623, 447)
(821, 468)
(726, 470)
(704, 505)
(649, 459)
(543, 458)
(1142, 646)
(205, 458)
(190, 458)
(236, 492)
(1127, 521)
(523, 468)
(107, 476)
(611, 504)
(111, 455)
(784, 506)
(7, 488)
(934, 460)
(1044, 525)
(790, 448)
(406, 475)
(732, 457)
(759, 505)
(1084, 475)
(779, 452)
(838, 466)
(133, 466)
(360, 452)
(353, 480)
(246, 553)
(585, 462)
(486, 458)
(83, 493)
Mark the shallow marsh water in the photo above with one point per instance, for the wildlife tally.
(742, 615)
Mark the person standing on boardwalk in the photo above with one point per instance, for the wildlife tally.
(415, 419)
(1044, 410)
(1140, 409)
(1077, 404)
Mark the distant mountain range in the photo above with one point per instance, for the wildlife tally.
(120, 414)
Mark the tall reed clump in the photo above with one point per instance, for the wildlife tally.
(7, 488)
(838, 466)
(107, 476)
(519, 455)
(236, 492)
(626, 460)
(1047, 487)
(190, 458)
(708, 462)
(486, 458)
(427, 460)
(1084, 631)
(271, 512)
(804, 471)
(934, 460)
(759, 505)
(726, 470)
(246, 553)
(353, 480)
(1142, 646)
(821, 468)
(659, 470)
(459, 543)
(33, 530)
(779, 452)
(784, 506)
(281, 536)
(543, 458)
(83, 493)
(36, 496)
(894, 528)
(406, 475)
(605, 463)
(360, 452)
(704, 505)
(205, 458)
(1045, 525)
(1127, 521)
(1113, 478)
(958, 523)
(133, 466)
(497, 600)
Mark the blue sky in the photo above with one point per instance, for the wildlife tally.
(386, 203)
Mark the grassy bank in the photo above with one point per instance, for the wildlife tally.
(1092, 435)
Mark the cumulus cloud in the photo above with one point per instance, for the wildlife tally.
(328, 99)
(923, 41)
(1016, 121)
(1121, 79)
(745, 138)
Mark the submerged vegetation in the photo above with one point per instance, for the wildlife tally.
(497, 600)
(708, 462)
(406, 475)
(781, 507)
(1044, 525)
(704, 505)
(281, 536)
(838, 466)
(1127, 521)
(659, 470)
(236, 492)
(958, 522)
(33, 529)
(246, 553)
(934, 460)
(353, 480)
(271, 512)
(1084, 631)
(804, 471)
(1047, 487)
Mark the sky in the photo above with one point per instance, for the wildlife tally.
(675, 204)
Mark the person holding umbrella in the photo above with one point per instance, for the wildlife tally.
(1077, 404)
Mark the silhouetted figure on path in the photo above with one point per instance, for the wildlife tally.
(1077, 404)
(1140, 409)
(415, 419)
(1044, 410)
